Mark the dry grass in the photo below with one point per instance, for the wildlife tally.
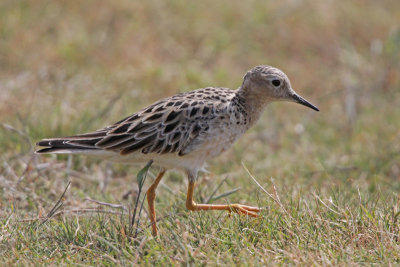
(69, 67)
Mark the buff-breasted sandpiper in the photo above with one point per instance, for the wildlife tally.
(185, 130)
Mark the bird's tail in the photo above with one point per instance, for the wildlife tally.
(79, 144)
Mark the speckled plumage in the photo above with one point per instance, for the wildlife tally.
(190, 127)
(184, 130)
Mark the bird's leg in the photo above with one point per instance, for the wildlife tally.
(238, 208)
(151, 195)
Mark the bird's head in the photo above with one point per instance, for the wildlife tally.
(269, 84)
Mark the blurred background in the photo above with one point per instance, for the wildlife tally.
(68, 67)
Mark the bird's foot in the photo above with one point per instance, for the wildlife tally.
(244, 210)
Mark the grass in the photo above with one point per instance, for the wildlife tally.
(328, 182)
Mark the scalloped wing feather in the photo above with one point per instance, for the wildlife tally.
(173, 125)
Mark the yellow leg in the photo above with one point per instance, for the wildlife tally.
(151, 195)
(238, 208)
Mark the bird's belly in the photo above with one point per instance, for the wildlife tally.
(221, 140)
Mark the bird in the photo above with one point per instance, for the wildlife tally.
(184, 131)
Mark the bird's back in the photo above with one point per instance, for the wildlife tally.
(191, 126)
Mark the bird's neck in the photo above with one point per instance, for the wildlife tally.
(252, 104)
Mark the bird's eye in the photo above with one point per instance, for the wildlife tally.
(276, 83)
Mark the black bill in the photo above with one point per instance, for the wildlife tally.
(300, 100)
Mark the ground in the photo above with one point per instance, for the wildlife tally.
(328, 181)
